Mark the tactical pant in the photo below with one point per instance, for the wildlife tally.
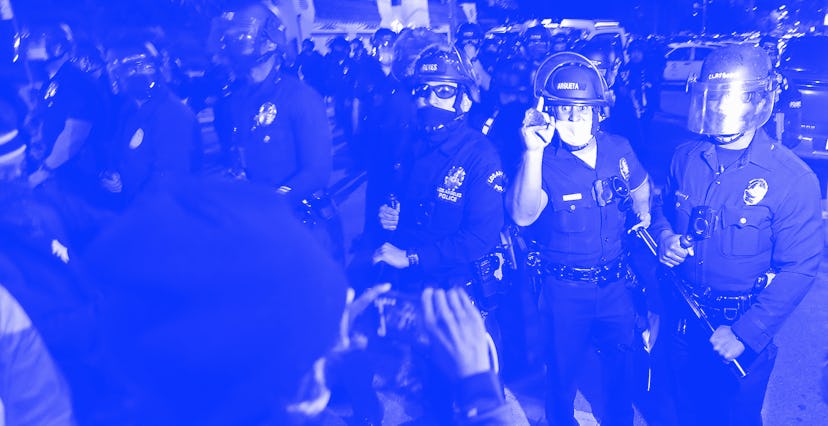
(575, 315)
(705, 389)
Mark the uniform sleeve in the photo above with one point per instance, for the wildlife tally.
(661, 209)
(797, 231)
(481, 224)
(314, 147)
(638, 175)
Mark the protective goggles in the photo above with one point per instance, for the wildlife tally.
(133, 65)
(442, 91)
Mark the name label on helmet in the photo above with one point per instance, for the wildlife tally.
(429, 67)
(566, 85)
(721, 75)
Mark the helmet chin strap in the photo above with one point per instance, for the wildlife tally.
(727, 139)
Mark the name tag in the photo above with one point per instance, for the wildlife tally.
(572, 197)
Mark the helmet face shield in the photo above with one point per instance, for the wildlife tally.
(729, 108)
(240, 36)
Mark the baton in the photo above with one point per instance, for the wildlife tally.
(694, 306)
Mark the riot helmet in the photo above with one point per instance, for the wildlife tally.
(574, 91)
(560, 43)
(49, 43)
(338, 47)
(134, 70)
(444, 87)
(567, 78)
(469, 32)
(383, 42)
(536, 42)
(251, 36)
(407, 49)
(357, 47)
(604, 56)
(512, 77)
(734, 92)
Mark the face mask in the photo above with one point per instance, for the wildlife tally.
(574, 133)
(140, 87)
(431, 118)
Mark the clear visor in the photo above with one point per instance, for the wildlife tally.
(729, 108)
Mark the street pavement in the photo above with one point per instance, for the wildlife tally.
(794, 394)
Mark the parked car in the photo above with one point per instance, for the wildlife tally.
(805, 66)
(684, 60)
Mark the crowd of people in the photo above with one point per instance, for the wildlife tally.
(149, 280)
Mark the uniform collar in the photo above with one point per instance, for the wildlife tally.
(758, 152)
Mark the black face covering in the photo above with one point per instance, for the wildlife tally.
(437, 123)
(140, 87)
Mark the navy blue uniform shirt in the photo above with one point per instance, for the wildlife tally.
(573, 229)
(156, 140)
(71, 93)
(282, 128)
(451, 203)
(768, 217)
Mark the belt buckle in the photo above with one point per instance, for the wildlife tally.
(731, 307)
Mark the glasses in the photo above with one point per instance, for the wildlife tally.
(442, 91)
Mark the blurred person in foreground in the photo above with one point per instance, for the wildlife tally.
(217, 313)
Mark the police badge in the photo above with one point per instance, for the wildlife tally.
(454, 178)
(266, 115)
(755, 191)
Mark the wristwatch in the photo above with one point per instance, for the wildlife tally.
(413, 258)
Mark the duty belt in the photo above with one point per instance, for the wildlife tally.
(611, 271)
(726, 308)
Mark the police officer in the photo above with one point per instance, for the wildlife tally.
(69, 107)
(755, 210)
(340, 72)
(386, 113)
(450, 207)
(278, 124)
(536, 43)
(310, 65)
(572, 190)
(502, 116)
(469, 41)
(158, 137)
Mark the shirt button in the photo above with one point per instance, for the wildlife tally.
(266, 138)
(743, 221)
(718, 182)
(572, 207)
(678, 204)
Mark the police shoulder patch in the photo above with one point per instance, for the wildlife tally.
(755, 191)
(624, 168)
(497, 180)
(137, 139)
